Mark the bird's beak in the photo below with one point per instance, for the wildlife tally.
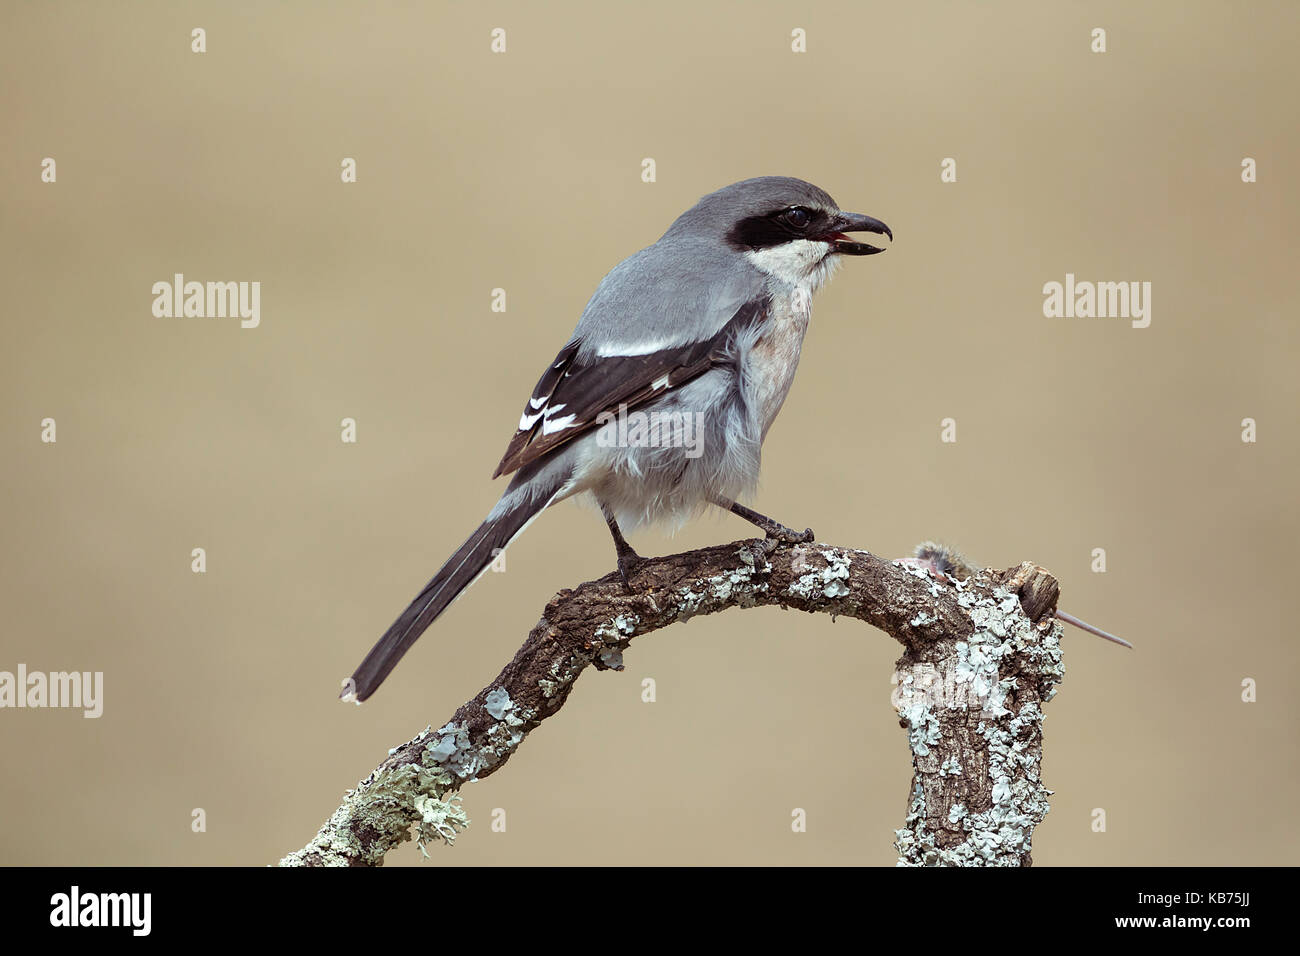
(853, 222)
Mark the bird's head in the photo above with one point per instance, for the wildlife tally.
(785, 227)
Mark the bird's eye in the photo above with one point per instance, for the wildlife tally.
(797, 216)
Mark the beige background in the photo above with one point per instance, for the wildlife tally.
(522, 171)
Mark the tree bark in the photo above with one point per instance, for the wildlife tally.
(980, 658)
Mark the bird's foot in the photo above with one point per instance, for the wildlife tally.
(780, 534)
(628, 562)
(777, 533)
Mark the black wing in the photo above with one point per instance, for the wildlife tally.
(571, 395)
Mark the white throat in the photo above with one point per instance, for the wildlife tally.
(803, 263)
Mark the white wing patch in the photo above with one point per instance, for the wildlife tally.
(639, 348)
(548, 426)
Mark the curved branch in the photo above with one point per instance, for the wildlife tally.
(974, 670)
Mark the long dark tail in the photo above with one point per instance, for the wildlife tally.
(458, 573)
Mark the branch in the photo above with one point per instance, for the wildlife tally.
(976, 667)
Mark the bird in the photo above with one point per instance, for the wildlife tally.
(658, 404)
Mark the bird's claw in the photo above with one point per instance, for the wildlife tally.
(783, 535)
(627, 565)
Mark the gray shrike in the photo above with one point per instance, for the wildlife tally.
(699, 336)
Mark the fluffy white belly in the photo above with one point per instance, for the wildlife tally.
(775, 356)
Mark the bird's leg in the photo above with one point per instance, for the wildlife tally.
(772, 529)
(628, 559)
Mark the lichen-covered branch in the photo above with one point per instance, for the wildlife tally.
(973, 675)
(972, 707)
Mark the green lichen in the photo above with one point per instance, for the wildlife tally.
(440, 819)
(613, 635)
(378, 814)
(826, 583)
(922, 727)
(739, 586)
(973, 678)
